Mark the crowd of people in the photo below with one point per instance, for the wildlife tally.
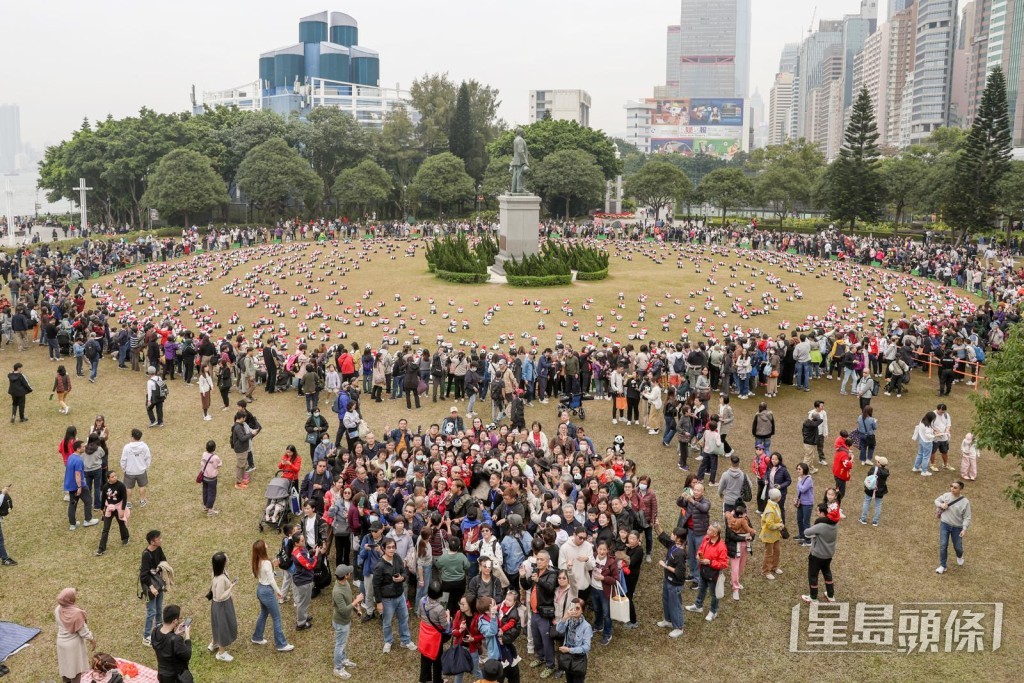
(516, 544)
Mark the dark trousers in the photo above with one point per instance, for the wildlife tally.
(18, 407)
(761, 502)
(816, 565)
(684, 453)
(342, 548)
(455, 591)
(224, 394)
(271, 380)
(841, 485)
(107, 520)
(209, 492)
(73, 498)
(709, 464)
(188, 368)
(409, 395)
(430, 669)
(155, 411)
(632, 409)
(542, 645)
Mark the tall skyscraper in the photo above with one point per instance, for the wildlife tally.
(713, 47)
(882, 67)
(824, 44)
(959, 89)
(780, 108)
(898, 6)
(933, 61)
(10, 136)
(790, 58)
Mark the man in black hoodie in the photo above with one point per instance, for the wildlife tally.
(544, 582)
(18, 388)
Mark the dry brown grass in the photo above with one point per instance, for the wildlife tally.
(893, 563)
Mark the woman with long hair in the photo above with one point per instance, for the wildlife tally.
(223, 623)
(268, 593)
(205, 390)
(72, 634)
(67, 446)
(61, 389)
(574, 651)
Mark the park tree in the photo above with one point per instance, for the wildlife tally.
(460, 132)
(496, 179)
(252, 129)
(785, 175)
(853, 184)
(363, 186)
(546, 137)
(983, 163)
(1010, 195)
(997, 423)
(903, 178)
(274, 177)
(330, 140)
(566, 175)
(726, 188)
(400, 152)
(442, 178)
(184, 182)
(657, 184)
(433, 96)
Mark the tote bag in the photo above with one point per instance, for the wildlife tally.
(456, 660)
(619, 605)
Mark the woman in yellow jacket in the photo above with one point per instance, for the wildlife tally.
(771, 535)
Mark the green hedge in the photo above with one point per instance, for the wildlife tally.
(462, 278)
(538, 280)
(582, 276)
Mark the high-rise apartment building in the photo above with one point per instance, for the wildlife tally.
(958, 91)
(977, 61)
(933, 67)
(898, 6)
(563, 105)
(10, 136)
(780, 107)
(882, 67)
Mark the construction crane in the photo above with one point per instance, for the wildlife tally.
(814, 15)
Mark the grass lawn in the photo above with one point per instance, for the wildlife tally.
(892, 564)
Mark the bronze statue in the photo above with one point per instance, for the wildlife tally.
(520, 163)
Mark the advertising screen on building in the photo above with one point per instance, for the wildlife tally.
(711, 126)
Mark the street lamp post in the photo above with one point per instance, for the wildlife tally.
(9, 192)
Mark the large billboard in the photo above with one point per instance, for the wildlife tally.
(687, 126)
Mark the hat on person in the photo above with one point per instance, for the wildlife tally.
(554, 520)
(454, 409)
(342, 571)
(882, 461)
(491, 670)
(151, 370)
(375, 525)
(475, 447)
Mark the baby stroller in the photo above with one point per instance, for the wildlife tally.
(64, 342)
(574, 404)
(282, 503)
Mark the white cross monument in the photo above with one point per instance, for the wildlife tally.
(82, 189)
(10, 212)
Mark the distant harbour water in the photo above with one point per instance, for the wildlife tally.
(25, 196)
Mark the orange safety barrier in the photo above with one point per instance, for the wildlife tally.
(974, 372)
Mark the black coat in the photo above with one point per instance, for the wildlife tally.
(18, 385)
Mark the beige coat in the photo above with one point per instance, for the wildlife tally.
(72, 653)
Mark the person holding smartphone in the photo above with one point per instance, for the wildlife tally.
(172, 643)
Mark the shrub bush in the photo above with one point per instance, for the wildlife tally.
(462, 278)
(537, 280)
(452, 254)
(580, 258)
(584, 276)
(545, 263)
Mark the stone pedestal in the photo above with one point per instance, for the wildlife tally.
(519, 221)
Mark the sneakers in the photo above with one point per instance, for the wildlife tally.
(224, 657)
(887, 393)
(940, 570)
(341, 673)
(735, 595)
(258, 642)
(925, 473)
(546, 672)
(535, 663)
(664, 624)
(778, 571)
(72, 527)
(933, 468)
(770, 577)
(711, 616)
(694, 608)
(808, 599)
(914, 469)
(207, 418)
(814, 470)
(349, 664)
(874, 524)
(92, 522)
(647, 558)
(143, 502)
(960, 561)
(675, 633)
(9, 562)
(100, 553)
(387, 648)
(606, 640)
(631, 624)
(145, 641)
(615, 421)
(821, 461)
(411, 646)
(287, 648)
(863, 521)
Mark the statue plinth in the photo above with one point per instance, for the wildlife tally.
(519, 220)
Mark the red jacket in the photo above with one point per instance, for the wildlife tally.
(715, 551)
(842, 464)
(290, 468)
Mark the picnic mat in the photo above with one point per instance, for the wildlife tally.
(13, 637)
(132, 672)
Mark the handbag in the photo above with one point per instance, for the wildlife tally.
(456, 660)
(720, 586)
(620, 403)
(312, 438)
(785, 534)
(421, 389)
(619, 604)
(573, 663)
(363, 429)
(202, 472)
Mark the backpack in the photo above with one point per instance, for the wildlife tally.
(284, 557)
(679, 365)
(746, 492)
(874, 388)
(90, 350)
(871, 482)
(162, 390)
(6, 506)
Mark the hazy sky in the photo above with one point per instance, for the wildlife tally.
(61, 60)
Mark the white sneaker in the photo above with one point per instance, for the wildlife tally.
(940, 570)
(925, 473)
(675, 633)
(411, 646)
(224, 657)
(694, 608)
(664, 624)
(778, 571)
(808, 599)
(735, 595)
(341, 673)
(92, 522)
(770, 577)
(258, 642)
(711, 616)
(287, 648)
(615, 421)
(960, 561)
(208, 417)
(349, 664)
(387, 648)
(145, 641)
